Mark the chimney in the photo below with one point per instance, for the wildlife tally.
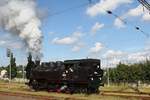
(37, 61)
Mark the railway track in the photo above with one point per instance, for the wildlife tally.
(139, 96)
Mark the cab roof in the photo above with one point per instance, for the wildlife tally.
(82, 61)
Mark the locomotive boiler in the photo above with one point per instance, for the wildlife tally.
(73, 76)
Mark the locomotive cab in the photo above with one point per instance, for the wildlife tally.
(85, 73)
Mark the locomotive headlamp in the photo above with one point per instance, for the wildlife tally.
(95, 73)
(98, 66)
(92, 78)
(64, 75)
(100, 78)
(66, 71)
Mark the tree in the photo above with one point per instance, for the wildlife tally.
(29, 66)
(2, 68)
(122, 72)
(146, 71)
(19, 71)
(13, 67)
(130, 73)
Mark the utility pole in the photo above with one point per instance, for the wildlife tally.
(9, 54)
(108, 83)
(23, 73)
(10, 69)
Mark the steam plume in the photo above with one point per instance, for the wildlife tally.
(19, 17)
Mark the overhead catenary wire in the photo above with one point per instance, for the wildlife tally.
(90, 2)
(110, 12)
(125, 22)
(145, 4)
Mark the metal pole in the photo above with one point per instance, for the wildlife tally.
(108, 73)
(10, 70)
(108, 77)
(23, 73)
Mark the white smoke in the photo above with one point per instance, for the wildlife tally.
(19, 17)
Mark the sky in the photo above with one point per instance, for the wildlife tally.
(87, 31)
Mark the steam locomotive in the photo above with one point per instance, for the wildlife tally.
(70, 76)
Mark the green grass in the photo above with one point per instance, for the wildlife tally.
(22, 88)
(124, 88)
(61, 96)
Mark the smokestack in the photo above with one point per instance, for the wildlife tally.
(37, 61)
(20, 18)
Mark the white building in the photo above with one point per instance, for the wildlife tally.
(3, 74)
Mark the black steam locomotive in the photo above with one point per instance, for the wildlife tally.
(73, 76)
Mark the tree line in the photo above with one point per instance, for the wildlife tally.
(129, 73)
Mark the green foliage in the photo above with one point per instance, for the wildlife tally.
(20, 70)
(2, 68)
(13, 67)
(19, 75)
(29, 66)
(130, 73)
